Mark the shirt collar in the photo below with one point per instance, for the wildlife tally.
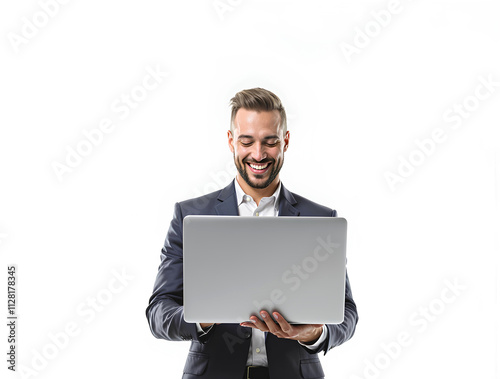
(240, 194)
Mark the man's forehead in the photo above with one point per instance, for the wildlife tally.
(249, 122)
(250, 114)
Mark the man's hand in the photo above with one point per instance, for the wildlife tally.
(306, 334)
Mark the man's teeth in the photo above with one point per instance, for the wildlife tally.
(258, 167)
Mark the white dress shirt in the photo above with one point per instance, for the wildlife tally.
(268, 207)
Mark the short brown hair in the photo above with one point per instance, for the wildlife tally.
(257, 99)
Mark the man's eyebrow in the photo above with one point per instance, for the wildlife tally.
(241, 136)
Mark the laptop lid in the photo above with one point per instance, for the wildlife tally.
(235, 266)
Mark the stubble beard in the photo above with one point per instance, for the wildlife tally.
(242, 169)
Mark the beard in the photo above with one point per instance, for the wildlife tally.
(275, 169)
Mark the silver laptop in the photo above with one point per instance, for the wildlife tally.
(235, 266)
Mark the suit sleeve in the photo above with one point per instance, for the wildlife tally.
(165, 312)
(340, 333)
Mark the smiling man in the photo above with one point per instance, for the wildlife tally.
(267, 346)
(258, 143)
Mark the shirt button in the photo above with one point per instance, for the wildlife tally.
(256, 213)
(257, 350)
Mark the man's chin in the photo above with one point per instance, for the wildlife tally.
(258, 182)
(258, 185)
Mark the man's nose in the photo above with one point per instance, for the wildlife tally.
(259, 152)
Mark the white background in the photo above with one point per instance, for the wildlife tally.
(351, 119)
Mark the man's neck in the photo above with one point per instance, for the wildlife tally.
(258, 193)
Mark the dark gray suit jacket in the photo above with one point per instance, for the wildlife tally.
(223, 352)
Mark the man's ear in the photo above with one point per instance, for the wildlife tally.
(230, 141)
(287, 138)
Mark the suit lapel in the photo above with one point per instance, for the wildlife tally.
(287, 202)
(227, 202)
(227, 198)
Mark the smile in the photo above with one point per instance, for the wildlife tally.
(258, 168)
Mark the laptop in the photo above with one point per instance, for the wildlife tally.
(235, 266)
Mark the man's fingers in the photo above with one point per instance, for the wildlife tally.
(271, 325)
(280, 328)
(285, 326)
(255, 323)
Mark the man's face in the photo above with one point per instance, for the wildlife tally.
(258, 146)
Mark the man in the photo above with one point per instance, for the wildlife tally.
(267, 346)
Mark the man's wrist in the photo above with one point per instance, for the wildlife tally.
(314, 338)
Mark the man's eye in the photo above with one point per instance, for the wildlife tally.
(270, 144)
